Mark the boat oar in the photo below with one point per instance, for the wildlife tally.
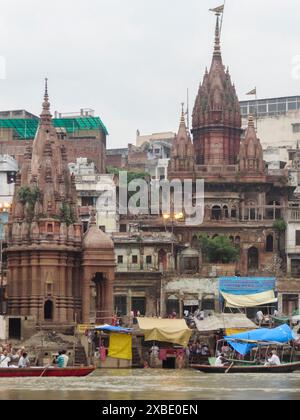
(227, 370)
(42, 374)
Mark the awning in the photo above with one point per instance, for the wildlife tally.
(249, 301)
(169, 330)
(242, 343)
(225, 322)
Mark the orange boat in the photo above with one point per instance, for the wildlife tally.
(47, 371)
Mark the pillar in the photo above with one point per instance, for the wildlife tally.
(86, 298)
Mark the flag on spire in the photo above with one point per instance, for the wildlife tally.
(252, 92)
(218, 10)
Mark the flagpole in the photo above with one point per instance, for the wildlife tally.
(222, 18)
(256, 108)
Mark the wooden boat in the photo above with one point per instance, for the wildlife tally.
(284, 368)
(47, 371)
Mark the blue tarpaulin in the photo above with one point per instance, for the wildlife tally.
(282, 334)
(110, 328)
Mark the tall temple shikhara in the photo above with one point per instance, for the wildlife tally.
(216, 117)
(50, 272)
(242, 200)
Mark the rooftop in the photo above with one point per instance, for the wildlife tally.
(25, 129)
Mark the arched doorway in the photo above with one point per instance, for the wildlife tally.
(253, 259)
(216, 213)
(162, 260)
(48, 310)
(270, 243)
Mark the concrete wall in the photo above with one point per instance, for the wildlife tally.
(278, 130)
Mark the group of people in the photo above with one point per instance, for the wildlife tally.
(11, 358)
(199, 348)
(271, 360)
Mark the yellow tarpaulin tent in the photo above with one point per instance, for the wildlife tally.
(169, 330)
(120, 346)
(249, 301)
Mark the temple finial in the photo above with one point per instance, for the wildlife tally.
(251, 121)
(46, 114)
(217, 48)
(182, 118)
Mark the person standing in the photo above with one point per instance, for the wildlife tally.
(4, 360)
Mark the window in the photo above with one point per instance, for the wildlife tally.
(134, 259)
(148, 259)
(123, 228)
(292, 106)
(103, 228)
(11, 177)
(270, 243)
(120, 259)
(296, 128)
(121, 305)
(87, 201)
(297, 237)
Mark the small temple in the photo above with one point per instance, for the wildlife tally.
(55, 273)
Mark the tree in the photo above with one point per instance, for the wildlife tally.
(219, 249)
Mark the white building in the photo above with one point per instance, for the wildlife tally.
(98, 191)
(278, 120)
(8, 170)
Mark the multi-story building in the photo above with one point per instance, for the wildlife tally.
(96, 191)
(82, 134)
(277, 120)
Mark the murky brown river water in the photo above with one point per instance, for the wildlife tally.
(153, 385)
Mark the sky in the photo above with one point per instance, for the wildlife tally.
(133, 60)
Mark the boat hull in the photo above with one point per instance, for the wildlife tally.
(286, 368)
(45, 372)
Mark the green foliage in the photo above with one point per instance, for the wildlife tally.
(280, 225)
(130, 175)
(219, 249)
(29, 195)
(66, 214)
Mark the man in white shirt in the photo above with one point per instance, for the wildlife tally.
(4, 360)
(274, 360)
(220, 361)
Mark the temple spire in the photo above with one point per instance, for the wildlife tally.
(217, 48)
(46, 114)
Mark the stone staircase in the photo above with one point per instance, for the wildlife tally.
(136, 358)
(80, 356)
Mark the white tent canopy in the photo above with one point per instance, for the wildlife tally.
(225, 321)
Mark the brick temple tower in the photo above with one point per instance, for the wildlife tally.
(216, 116)
(44, 235)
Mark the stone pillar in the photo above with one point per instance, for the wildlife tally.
(86, 298)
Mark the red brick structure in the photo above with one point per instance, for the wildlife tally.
(216, 117)
(44, 238)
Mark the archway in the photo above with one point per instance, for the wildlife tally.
(48, 310)
(162, 260)
(216, 213)
(270, 243)
(253, 259)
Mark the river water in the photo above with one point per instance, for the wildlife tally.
(154, 385)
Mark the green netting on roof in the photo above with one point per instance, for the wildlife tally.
(26, 128)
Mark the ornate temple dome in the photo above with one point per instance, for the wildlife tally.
(96, 239)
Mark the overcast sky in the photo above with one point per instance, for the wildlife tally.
(132, 60)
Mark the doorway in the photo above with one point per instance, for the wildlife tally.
(14, 328)
(48, 310)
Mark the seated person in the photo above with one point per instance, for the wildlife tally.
(221, 361)
(274, 360)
